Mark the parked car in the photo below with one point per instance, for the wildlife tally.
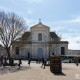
(66, 61)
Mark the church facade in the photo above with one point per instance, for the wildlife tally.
(39, 42)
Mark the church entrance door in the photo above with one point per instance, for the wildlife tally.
(40, 53)
(27, 54)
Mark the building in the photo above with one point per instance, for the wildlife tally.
(73, 52)
(39, 43)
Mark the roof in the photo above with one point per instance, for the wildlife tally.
(27, 34)
(53, 35)
(40, 25)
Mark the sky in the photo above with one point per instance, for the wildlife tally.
(62, 16)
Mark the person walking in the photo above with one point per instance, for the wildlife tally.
(20, 62)
(42, 62)
(29, 61)
(77, 62)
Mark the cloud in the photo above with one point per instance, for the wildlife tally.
(74, 40)
(75, 20)
(78, 41)
(69, 30)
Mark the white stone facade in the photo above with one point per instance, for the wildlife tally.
(50, 43)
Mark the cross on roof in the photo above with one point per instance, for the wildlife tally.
(40, 21)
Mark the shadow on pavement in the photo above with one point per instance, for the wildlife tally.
(7, 70)
(60, 74)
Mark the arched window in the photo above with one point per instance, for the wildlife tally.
(39, 37)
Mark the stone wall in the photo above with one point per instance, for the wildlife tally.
(43, 31)
(73, 52)
(23, 48)
(45, 49)
(56, 48)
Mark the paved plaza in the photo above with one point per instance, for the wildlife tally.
(34, 72)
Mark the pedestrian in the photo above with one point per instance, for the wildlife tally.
(29, 61)
(19, 65)
(42, 62)
(77, 62)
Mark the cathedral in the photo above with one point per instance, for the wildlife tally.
(39, 42)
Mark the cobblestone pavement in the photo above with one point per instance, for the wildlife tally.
(35, 72)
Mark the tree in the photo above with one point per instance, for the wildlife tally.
(11, 29)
